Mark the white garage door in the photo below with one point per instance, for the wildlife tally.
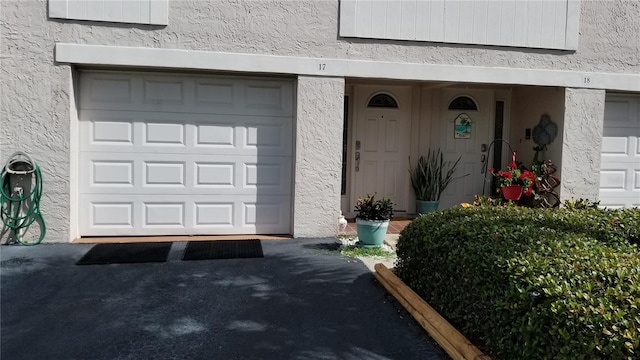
(176, 154)
(620, 172)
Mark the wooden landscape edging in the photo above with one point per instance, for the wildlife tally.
(450, 339)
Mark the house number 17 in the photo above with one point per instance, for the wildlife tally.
(322, 67)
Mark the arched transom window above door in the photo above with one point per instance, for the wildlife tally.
(463, 103)
(382, 100)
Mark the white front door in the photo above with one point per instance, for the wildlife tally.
(164, 154)
(381, 146)
(470, 149)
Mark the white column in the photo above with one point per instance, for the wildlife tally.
(318, 162)
(582, 143)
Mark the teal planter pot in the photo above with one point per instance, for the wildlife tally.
(371, 232)
(425, 207)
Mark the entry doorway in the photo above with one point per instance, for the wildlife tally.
(381, 144)
(457, 107)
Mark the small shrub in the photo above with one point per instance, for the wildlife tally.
(488, 201)
(578, 204)
(482, 268)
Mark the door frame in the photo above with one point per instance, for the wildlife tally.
(360, 95)
(486, 105)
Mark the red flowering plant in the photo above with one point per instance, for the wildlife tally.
(515, 176)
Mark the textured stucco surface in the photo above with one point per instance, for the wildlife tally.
(318, 166)
(35, 109)
(582, 143)
(608, 35)
(35, 118)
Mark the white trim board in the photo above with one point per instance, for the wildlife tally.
(256, 63)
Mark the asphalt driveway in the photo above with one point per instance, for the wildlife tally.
(301, 301)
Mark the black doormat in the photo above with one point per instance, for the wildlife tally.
(223, 249)
(126, 253)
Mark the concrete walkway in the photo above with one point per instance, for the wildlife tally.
(301, 301)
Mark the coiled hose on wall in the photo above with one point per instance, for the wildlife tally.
(20, 210)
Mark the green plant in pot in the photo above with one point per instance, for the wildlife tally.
(429, 178)
(372, 220)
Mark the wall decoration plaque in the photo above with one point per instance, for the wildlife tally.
(462, 126)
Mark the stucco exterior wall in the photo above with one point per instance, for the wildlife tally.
(318, 166)
(582, 143)
(35, 119)
(608, 35)
(528, 105)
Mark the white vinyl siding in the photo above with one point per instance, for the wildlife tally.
(153, 12)
(620, 166)
(517, 23)
(184, 155)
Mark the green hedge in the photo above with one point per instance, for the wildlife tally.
(481, 266)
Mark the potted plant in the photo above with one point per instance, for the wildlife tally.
(372, 220)
(514, 181)
(429, 178)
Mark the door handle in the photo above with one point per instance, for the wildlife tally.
(483, 158)
(357, 161)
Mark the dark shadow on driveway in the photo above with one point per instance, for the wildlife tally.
(298, 302)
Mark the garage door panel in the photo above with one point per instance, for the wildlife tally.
(622, 131)
(263, 175)
(163, 214)
(622, 111)
(216, 135)
(264, 96)
(218, 214)
(217, 93)
(613, 179)
(163, 173)
(162, 134)
(619, 163)
(620, 173)
(264, 213)
(182, 215)
(111, 173)
(618, 111)
(186, 94)
(135, 132)
(111, 213)
(165, 91)
(115, 173)
(615, 145)
(215, 174)
(102, 91)
(620, 200)
(111, 131)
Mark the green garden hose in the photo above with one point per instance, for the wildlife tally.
(20, 210)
